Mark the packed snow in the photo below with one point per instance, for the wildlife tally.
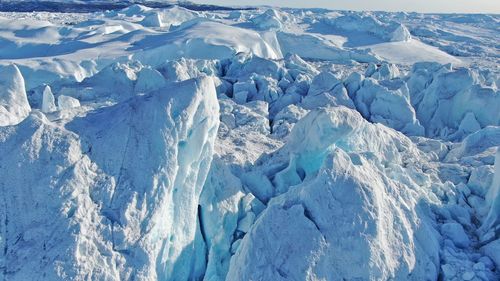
(249, 144)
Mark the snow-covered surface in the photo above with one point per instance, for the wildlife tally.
(253, 144)
(412, 51)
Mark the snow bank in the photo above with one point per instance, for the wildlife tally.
(65, 102)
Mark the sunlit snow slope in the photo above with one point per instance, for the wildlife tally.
(253, 144)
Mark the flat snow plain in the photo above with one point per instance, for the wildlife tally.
(253, 144)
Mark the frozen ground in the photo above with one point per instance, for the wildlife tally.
(254, 144)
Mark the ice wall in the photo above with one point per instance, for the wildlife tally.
(112, 195)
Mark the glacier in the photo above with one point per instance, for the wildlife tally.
(194, 142)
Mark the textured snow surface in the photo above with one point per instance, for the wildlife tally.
(253, 144)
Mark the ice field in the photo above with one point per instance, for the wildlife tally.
(188, 142)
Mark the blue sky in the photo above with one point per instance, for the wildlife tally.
(438, 6)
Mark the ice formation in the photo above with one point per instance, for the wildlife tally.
(48, 101)
(123, 181)
(201, 143)
(268, 20)
(14, 106)
(361, 229)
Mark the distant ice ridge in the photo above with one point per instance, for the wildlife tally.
(365, 22)
(61, 45)
(268, 20)
(203, 39)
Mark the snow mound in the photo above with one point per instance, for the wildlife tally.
(134, 10)
(367, 23)
(411, 51)
(316, 47)
(202, 39)
(173, 16)
(116, 80)
(152, 20)
(383, 97)
(149, 79)
(270, 19)
(476, 143)
(401, 33)
(14, 106)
